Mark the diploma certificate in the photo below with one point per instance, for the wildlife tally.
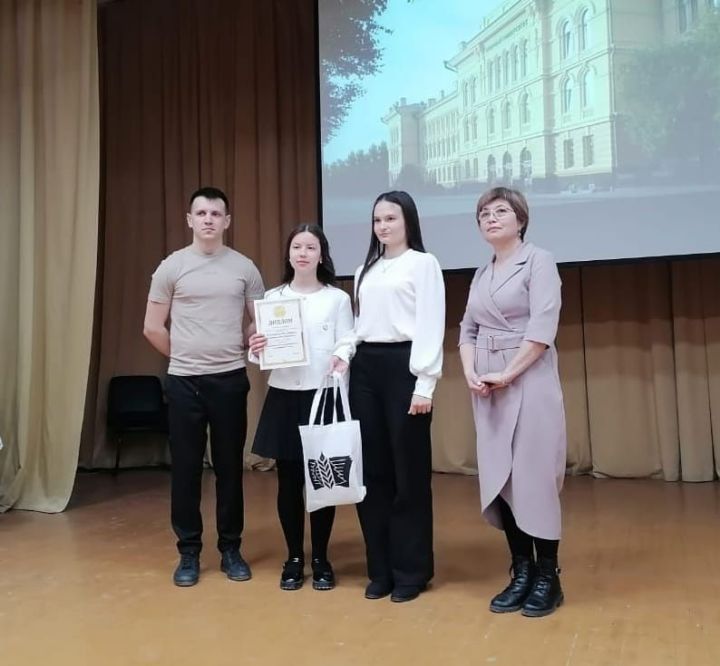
(281, 322)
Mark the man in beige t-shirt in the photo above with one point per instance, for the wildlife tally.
(206, 290)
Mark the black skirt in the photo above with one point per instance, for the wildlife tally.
(277, 435)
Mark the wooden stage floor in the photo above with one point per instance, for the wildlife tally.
(92, 586)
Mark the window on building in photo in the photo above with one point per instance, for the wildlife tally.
(584, 34)
(566, 40)
(507, 168)
(524, 109)
(566, 97)
(586, 89)
(588, 150)
(568, 154)
(506, 116)
(491, 169)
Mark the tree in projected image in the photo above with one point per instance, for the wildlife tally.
(360, 174)
(349, 51)
(672, 102)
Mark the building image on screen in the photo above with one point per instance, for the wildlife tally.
(605, 113)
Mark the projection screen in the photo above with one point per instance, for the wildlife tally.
(604, 113)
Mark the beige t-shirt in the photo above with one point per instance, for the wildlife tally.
(207, 296)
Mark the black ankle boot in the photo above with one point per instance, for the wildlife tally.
(546, 594)
(514, 595)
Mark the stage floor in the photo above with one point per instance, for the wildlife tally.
(92, 586)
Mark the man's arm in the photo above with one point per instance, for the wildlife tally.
(154, 328)
(250, 327)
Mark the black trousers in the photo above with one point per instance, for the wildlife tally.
(194, 403)
(396, 515)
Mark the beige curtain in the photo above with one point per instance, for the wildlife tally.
(639, 348)
(49, 171)
(195, 92)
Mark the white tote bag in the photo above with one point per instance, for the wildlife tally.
(332, 453)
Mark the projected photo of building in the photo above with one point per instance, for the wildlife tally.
(539, 98)
(605, 112)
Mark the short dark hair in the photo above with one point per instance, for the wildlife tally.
(325, 269)
(211, 193)
(517, 202)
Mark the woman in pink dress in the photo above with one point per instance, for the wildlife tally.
(510, 363)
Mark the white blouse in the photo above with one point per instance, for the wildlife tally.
(327, 316)
(403, 299)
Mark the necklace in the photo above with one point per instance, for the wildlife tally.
(387, 263)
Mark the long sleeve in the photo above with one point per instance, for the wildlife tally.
(426, 353)
(344, 320)
(468, 325)
(545, 299)
(346, 341)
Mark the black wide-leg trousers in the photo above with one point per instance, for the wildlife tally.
(396, 515)
(194, 403)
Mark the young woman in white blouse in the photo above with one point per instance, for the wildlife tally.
(396, 352)
(309, 275)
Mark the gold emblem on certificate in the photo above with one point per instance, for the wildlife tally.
(281, 322)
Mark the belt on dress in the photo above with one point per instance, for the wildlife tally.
(499, 342)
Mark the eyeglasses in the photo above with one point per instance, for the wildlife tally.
(499, 213)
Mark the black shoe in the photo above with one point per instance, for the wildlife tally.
(187, 572)
(378, 589)
(513, 597)
(293, 574)
(546, 594)
(403, 593)
(235, 566)
(323, 575)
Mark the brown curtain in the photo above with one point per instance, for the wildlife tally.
(49, 166)
(194, 92)
(223, 92)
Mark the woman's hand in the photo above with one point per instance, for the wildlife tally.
(337, 365)
(257, 343)
(420, 405)
(494, 380)
(476, 386)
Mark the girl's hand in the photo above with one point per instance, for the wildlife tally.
(257, 343)
(337, 365)
(420, 405)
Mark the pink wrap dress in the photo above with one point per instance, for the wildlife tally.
(521, 438)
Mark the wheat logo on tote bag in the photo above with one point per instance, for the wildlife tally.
(332, 452)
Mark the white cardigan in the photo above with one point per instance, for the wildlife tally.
(327, 316)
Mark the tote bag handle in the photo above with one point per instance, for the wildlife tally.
(318, 403)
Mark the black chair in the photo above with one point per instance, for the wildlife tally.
(135, 404)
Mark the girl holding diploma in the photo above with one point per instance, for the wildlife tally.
(309, 276)
(397, 350)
